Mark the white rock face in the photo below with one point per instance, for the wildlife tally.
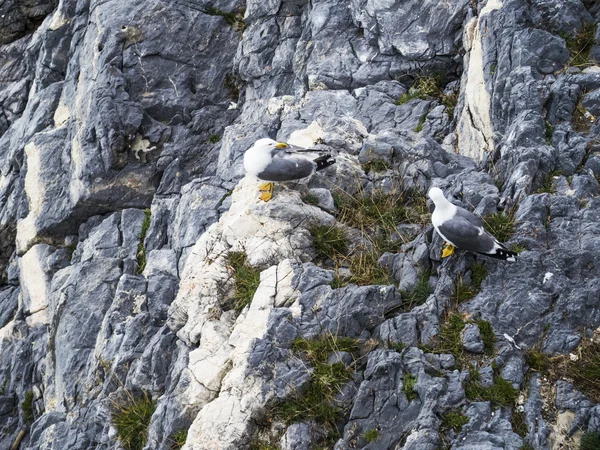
(474, 129)
(35, 282)
(273, 235)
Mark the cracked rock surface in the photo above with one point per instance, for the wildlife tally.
(123, 201)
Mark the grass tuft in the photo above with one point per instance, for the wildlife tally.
(536, 360)
(310, 199)
(590, 441)
(131, 421)
(487, 336)
(478, 274)
(234, 18)
(371, 435)
(409, 386)
(27, 407)
(367, 271)
(317, 402)
(419, 294)
(547, 186)
(582, 119)
(448, 339)
(377, 165)
(580, 45)
(231, 83)
(178, 439)
(423, 88)
(500, 225)
(421, 123)
(549, 132)
(518, 422)
(259, 444)
(453, 420)
(329, 242)
(141, 250)
(245, 277)
(214, 138)
(501, 393)
(585, 371)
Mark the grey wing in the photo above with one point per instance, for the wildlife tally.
(469, 216)
(285, 168)
(465, 235)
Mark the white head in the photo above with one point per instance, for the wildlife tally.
(437, 196)
(268, 144)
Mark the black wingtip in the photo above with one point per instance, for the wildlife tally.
(505, 255)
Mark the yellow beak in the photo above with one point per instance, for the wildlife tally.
(281, 145)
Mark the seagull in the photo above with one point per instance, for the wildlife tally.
(463, 229)
(270, 161)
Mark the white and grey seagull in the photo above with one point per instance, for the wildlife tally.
(463, 229)
(270, 161)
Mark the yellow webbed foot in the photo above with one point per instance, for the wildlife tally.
(448, 250)
(266, 191)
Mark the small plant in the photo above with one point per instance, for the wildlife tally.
(580, 45)
(310, 199)
(487, 336)
(371, 435)
(518, 422)
(547, 186)
(526, 447)
(179, 439)
(317, 401)
(409, 386)
(517, 248)
(231, 84)
(478, 274)
(131, 421)
(449, 101)
(585, 371)
(423, 88)
(462, 292)
(329, 242)
(590, 441)
(214, 138)
(419, 126)
(338, 282)
(501, 393)
(448, 339)
(260, 444)
(536, 360)
(3, 387)
(500, 225)
(582, 119)
(233, 18)
(493, 69)
(367, 271)
(549, 132)
(246, 279)
(141, 250)
(397, 346)
(454, 420)
(376, 165)
(419, 293)
(27, 407)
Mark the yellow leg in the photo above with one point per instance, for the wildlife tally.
(266, 191)
(448, 250)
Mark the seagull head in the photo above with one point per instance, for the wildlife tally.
(436, 195)
(268, 144)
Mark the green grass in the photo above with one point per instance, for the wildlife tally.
(526, 447)
(178, 439)
(409, 386)
(478, 274)
(423, 88)
(141, 250)
(547, 186)
(231, 84)
(131, 420)
(27, 407)
(214, 138)
(245, 277)
(367, 271)
(500, 225)
(580, 45)
(580, 122)
(234, 18)
(549, 132)
(462, 292)
(453, 420)
(3, 387)
(448, 339)
(536, 360)
(517, 248)
(377, 165)
(449, 101)
(396, 346)
(493, 68)
(501, 393)
(590, 441)
(487, 336)
(317, 401)
(585, 372)
(329, 242)
(259, 444)
(419, 293)
(419, 126)
(310, 199)
(518, 422)
(371, 435)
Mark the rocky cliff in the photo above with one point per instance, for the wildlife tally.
(149, 299)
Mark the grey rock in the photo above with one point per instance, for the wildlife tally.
(471, 338)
